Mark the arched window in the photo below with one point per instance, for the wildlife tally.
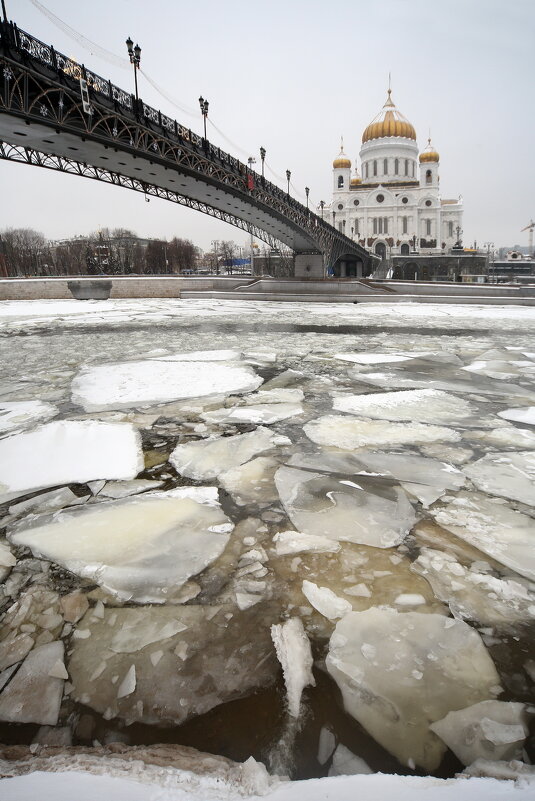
(412, 168)
(404, 225)
(340, 227)
(375, 225)
(356, 229)
(428, 176)
(450, 229)
(396, 166)
(385, 225)
(428, 227)
(375, 167)
(366, 170)
(406, 166)
(385, 166)
(340, 182)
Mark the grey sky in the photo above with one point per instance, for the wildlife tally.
(294, 75)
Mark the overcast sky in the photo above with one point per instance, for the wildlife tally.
(293, 76)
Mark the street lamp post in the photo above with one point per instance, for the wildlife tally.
(135, 59)
(204, 111)
(263, 157)
(307, 190)
(288, 176)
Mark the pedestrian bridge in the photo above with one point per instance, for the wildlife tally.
(118, 139)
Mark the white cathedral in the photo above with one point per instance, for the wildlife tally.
(393, 207)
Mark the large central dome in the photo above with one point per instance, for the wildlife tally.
(389, 122)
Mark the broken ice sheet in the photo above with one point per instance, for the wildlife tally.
(472, 594)
(252, 482)
(216, 655)
(325, 601)
(526, 416)
(33, 695)
(493, 527)
(509, 437)
(207, 459)
(400, 671)
(350, 434)
(292, 542)
(493, 730)
(358, 512)
(293, 652)
(345, 763)
(417, 405)
(265, 413)
(425, 479)
(141, 549)
(509, 475)
(68, 451)
(151, 382)
(16, 416)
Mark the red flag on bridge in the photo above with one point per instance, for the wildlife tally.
(250, 181)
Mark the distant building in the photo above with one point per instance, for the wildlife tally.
(393, 206)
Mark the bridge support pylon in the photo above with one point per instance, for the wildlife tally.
(309, 265)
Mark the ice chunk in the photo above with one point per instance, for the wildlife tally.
(345, 763)
(493, 368)
(326, 745)
(323, 506)
(358, 591)
(128, 684)
(526, 415)
(418, 405)
(510, 475)
(291, 542)
(492, 527)
(409, 599)
(325, 601)
(503, 437)
(6, 557)
(426, 479)
(66, 451)
(447, 453)
(147, 383)
(479, 384)
(13, 648)
(293, 652)
(349, 434)
(47, 502)
(142, 549)
(122, 489)
(33, 695)
(208, 459)
(74, 606)
(282, 395)
(202, 356)
(260, 413)
(492, 730)
(219, 655)
(15, 416)
(474, 595)
(252, 482)
(425, 666)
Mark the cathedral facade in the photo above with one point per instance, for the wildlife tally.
(393, 205)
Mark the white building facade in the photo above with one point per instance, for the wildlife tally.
(393, 206)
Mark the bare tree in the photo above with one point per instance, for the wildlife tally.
(228, 250)
(181, 254)
(26, 251)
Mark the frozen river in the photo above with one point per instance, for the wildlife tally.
(301, 532)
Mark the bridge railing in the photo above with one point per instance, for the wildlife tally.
(50, 57)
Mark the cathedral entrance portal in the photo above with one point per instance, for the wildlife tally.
(380, 250)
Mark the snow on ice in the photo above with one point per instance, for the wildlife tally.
(294, 654)
(16, 416)
(417, 405)
(510, 475)
(349, 434)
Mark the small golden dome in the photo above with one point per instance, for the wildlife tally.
(341, 161)
(356, 181)
(429, 154)
(389, 122)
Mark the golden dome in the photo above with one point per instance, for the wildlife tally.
(356, 181)
(389, 122)
(341, 161)
(429, 154)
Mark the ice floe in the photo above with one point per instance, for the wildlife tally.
(293, 652)
(292, 542)
(346, 511)
(210, 655)
(68, 451)
(491, 526)
(142, 549)
(493, 730)
(510, 475)
(480, 384)
(16, 416)
(417, 405)
(207, 459)
(252, 482)
(349, 434)
(147, 383)
(400, 671)
(325, 601)
(34, 694)
(265, 413)
(526, 415)
(345, 763)
(503, 437)
(472, 594)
